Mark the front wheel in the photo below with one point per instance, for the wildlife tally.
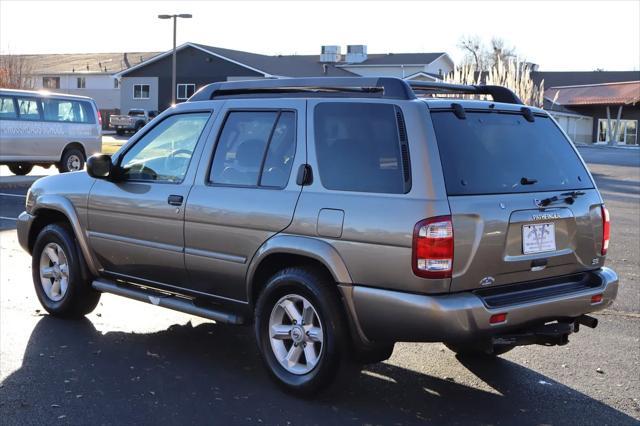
(20, 169)
(300, 330)
(61, 281)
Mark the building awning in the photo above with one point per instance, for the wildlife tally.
(624, 93)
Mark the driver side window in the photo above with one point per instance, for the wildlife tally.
(164, 153)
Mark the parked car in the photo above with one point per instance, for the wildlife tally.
(132, 122)
(338, 216)
(40, 128)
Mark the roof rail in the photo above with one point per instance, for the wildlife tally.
(384, 87)
(498, 93)
(389, 88)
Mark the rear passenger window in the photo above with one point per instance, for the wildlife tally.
(255, 148)
(358, 148)
(28, 108)
(66, 111)
(7, 108)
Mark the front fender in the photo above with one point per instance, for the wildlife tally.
(302, 246)
(64, 206)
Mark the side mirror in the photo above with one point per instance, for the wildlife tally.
(99, 166)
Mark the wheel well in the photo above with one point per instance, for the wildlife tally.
(72, 145)
(278, 261)
(43, 218)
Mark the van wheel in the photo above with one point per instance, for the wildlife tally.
(479, 350)
(20, 169)
(300, 330)
(60, 278)
(139, 125)
(73, 160)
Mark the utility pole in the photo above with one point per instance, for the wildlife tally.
(173, 64)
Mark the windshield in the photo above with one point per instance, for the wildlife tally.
(136, 112)
(498, 153)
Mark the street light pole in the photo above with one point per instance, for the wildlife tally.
(173, 61)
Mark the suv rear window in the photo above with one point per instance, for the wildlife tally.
(358, 147)
(499, 153)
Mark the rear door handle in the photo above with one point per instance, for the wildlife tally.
(175, 200)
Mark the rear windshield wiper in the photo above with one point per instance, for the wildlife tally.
(527, 181)
(569, 198)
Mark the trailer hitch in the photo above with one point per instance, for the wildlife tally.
(552, 334)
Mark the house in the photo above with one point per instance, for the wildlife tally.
(594, 106)
(86, 74)
(148, 84)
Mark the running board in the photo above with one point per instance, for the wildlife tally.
(166, 301)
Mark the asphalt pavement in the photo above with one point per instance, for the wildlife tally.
(132, 363)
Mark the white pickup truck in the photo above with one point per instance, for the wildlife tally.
(132, 122)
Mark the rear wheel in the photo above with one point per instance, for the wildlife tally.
(73, 160)
(20, 169)
(139, 125)
(61, 280)
(300, 330)
(119, 132)
(478, 350)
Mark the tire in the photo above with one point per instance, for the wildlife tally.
(78, 298)
(302, 287)
(73, 160)
(479, 350)
(139, 125)
(119, 132)
(20, 169)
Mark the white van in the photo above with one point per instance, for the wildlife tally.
(41, 128)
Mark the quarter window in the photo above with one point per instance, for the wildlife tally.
(255, 148)
(67, 111)
(185, 91)
(140, 91)
(28, 108)
(7, 108)
(164, 153)
(358, 147)
(51, 82)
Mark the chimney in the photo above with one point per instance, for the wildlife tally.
(330, 54)
(356, 53)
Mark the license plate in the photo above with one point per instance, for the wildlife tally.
(538, 237)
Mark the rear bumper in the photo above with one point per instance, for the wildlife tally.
(397, 316)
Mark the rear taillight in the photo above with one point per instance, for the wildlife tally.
(99, 118)
(433, 247)
(606, 230)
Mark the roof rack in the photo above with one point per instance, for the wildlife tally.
(383, 87)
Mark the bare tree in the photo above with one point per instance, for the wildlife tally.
(472, 46)
(500, 52)
(483, 57)
(15, 72)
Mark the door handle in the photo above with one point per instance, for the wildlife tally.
(175, 200)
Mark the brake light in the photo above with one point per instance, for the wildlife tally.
(606, 230)
(99, 118)
(498, 318)
(432, 255)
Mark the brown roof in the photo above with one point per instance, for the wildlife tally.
(623, 93)
(68, 63)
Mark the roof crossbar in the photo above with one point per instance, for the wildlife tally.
(384, 87)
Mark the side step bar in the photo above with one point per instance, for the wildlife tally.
(166, 301)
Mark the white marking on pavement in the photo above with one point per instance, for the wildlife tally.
(8, 218)
(12, 195)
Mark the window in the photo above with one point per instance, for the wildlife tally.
(627, 133)
(255, 148)
(81, 82)
(491, 152)
(116, 83)
(185, 91)
(51, 82)
(7, 108)
(140, 91)
(163, 154)
(66, 110)
(28, 108)
(358, 148)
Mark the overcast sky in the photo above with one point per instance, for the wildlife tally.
(558, 35)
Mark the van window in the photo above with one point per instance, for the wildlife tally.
(498, 153)
(28, 108)
(67, 111)
(7, 108)
(358, 147)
